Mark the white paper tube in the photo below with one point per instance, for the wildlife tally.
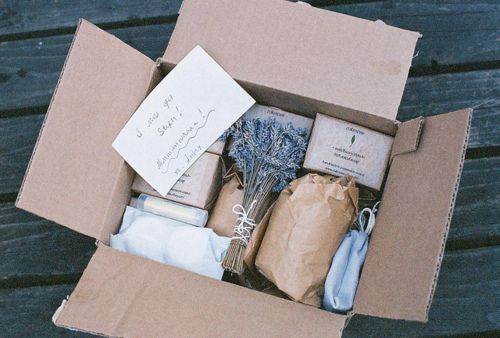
(172, 210)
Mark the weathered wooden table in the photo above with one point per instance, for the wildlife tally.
(458, 65)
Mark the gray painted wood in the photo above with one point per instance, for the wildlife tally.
(445, 40)
(25, 18)
(454, 32)
(29, 69)
(432, 95)
(466, 300)
(27, 312)
(32, 249)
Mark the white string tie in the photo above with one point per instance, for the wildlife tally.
(362, 222)
(243, 229)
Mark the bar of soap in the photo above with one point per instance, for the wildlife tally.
(197, 187)
(281, 116)
(342, 148)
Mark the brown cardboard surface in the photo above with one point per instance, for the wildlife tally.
(353, 63)
(407, 243)
(197, 187)
(307, 106)
(408, 137)
(102, 83)
(128, 296)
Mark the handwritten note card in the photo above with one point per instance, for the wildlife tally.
(188, 110)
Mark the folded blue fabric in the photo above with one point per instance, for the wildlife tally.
(342, 279)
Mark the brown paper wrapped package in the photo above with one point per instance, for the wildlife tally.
(256, 239)
(222, 218)
(310, 218)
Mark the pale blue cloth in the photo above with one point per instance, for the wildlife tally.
(343, 278)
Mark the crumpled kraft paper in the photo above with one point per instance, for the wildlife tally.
(222, 219)
(309, 220)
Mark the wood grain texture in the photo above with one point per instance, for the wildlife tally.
(466, 301)
(454, 32)
(27, 312)
(445, 40)
(29, 69)
(17, 139)
(475, 220)
(20, 18)
(33, 248)
(432, 95)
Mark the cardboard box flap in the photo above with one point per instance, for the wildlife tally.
(121, 295)
(75, 178)
(408, 137)
(335, 58)
(407, 243)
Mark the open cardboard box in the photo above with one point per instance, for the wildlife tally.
(288, 55)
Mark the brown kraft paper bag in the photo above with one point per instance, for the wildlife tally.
(309, 220)
(222, 218)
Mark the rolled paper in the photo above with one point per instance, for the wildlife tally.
(180, 212)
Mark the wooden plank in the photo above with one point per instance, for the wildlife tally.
(445, 40)
(29, 69)
(475, 219)
(27, 312)
(17, 139)
(24, 18)
(466, 301)
(454, 32)
(431, 95)
(33, 248)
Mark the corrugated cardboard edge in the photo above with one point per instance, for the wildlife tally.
(47, 114)
(450, 214)
(79, 311)
(60, 309)
(118, 184)
(407, 293)
(407, 137)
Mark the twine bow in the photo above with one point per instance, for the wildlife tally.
(243, 230)
(363, 225)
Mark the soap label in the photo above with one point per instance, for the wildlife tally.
(341, 148)
(280, 116)
(180, 119)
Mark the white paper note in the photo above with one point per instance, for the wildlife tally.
(188, 110)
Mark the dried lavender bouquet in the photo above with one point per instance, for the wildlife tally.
(269, 155)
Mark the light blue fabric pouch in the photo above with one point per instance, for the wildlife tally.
(343, 277)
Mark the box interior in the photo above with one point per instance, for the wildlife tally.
(403, 260)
